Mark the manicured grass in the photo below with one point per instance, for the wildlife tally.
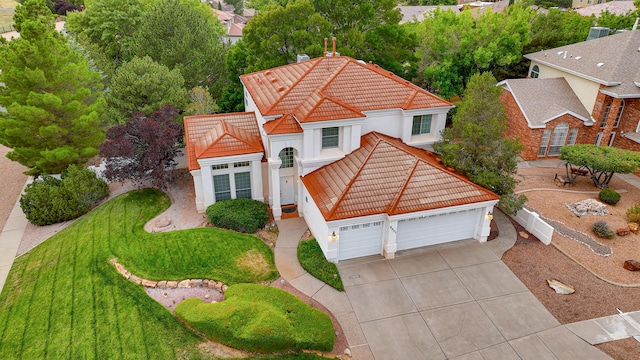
(313, 261)
(65, 300)
(260, 319)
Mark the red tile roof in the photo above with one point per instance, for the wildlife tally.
(283, 125)
(210, 136)
(387, 176)
(333, 88)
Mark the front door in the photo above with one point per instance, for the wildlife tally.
(287, 190)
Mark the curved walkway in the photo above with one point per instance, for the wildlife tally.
(449, 301)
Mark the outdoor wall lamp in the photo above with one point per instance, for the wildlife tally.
(333, 237)
(489, 216)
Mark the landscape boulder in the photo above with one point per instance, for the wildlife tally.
(561, 288)
(632, 265)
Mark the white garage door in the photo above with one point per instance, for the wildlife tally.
(413, 233)
(360, 240)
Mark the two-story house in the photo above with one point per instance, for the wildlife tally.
(343, 142)
(584, 93)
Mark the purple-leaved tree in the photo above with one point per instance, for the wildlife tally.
(143, 149)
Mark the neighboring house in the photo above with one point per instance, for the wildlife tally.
(343, 142)
(584, 93)
(617, 7)
(419, 13)
(577, 4)
(233, 25)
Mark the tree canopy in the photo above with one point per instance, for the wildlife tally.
(601, 161)
(54, 101)
(144, 148)
(143, 85)
(474, 146)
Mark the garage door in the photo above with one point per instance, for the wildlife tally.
(413, 233)
(360, 240)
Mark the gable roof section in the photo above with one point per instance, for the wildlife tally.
(613, 61)
(617, 7)
(542, 100)
(333, 88)
(387, 176)
(211, 136)
(283, 125)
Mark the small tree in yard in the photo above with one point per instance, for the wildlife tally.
(601, 162)
(474, 145)
(143, 149)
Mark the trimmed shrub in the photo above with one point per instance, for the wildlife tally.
(602, 229)
(49, 201)
(242, 215)
(313, 261)
(260, 319)
(633, 213)
(609, 196)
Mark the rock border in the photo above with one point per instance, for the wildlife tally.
(168, 284)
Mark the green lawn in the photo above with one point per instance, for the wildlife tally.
(313, 261)
(65, 300)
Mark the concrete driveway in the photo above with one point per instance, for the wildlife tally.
(454, 301)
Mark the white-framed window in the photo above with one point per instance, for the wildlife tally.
(243, 185)
(559, 138)
(219, 167)
(573, 135)
(330, 137)
(242, 164)
(619, 116)
(599, 138)
(613, 136)
(535, 72)
(286, 156)
(221, 187)
(544, 143)
(605, 115)
(421, 124)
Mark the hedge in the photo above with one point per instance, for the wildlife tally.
(242, 215)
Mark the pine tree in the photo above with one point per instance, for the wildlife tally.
(474, 144)
(53, 100)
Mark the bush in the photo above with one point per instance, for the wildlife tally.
(49, 201)
(609, 196)
(313, 261)
(260, 319)
(633, 213)
(602, 229)
(242, 215)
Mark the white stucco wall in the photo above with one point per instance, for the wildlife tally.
(318, 226)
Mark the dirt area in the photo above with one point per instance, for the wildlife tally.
(11, 183)
(534, 263)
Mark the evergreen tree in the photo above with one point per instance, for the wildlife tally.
(474, 144)
(53, 100)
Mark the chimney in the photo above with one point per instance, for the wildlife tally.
(333, 46)
(325, 47)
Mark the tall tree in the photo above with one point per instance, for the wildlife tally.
(456, 46)
(142, 85)
(201, 102)
(275, 36)
(54, 101)
(236, 62)
(474, 144)
(183, 35)
(143, 149)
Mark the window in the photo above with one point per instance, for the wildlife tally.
(613, 136)
(598, 138)
(535, 72)
(242, 164)
(544, 143)
(243, 185)
(221, 187)
(559, 138)
(607, 110)
(330, 137)
(286, 156)
(619, 116)
(220, 167)
(573, 135)
(421, 124)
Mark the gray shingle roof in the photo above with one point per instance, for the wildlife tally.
(542, 100)
(613, 61)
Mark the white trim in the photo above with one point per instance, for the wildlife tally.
(230, 159)
(572, 72)
(621, 96)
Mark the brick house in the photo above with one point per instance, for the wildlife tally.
(584, 93)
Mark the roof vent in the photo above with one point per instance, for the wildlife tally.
(281, 88)
(599, 64)
(273, 80)
(302, 57)
(597, 32)
(268, 72)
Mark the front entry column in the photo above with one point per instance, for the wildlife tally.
(274, 188)
(390, 244)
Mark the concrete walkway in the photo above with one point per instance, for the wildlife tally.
(452, 301)
(10, 239)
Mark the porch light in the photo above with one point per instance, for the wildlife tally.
(489, 216)
(333, 237)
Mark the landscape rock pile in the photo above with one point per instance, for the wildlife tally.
(588, 207)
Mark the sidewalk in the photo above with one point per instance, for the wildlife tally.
(10, 239)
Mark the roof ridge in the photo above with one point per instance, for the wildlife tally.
(353, 179)
(336, 73)
(213, 142)
(395, 201)
(241, 134)
(293, 85)
(410, 99)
